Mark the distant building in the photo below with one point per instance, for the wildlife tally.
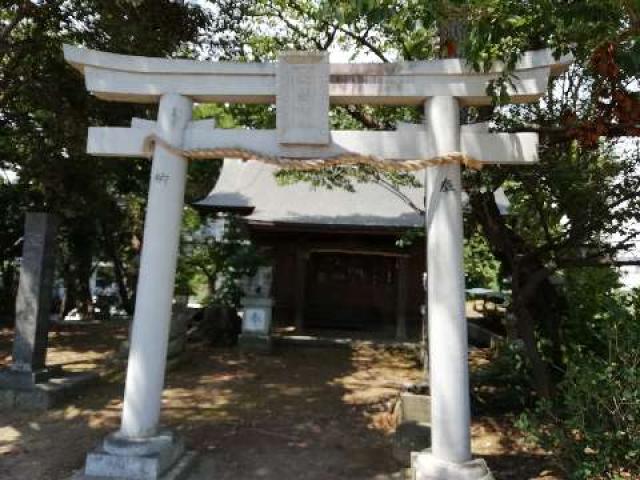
(630, 274)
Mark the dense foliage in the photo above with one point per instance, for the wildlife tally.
(44, 115)
(219, 260)
(592, 424)
(480, 266)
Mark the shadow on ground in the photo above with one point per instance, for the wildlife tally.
(301, 413)
(309, 413)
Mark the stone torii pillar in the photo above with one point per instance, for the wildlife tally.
(450, 456)
(138, 449)
(152, 316)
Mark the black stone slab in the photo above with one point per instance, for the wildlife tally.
(33, 302)
(46, 394)
(26, 379)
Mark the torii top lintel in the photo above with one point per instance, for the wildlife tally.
(303, 85)
(139, 79)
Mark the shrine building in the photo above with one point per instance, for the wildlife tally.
(338, 265)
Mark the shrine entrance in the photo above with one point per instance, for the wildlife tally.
(351, 292)
(302, 86)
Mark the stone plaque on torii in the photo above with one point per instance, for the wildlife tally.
(303, 86)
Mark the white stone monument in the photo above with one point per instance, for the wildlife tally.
(303, 85)
(257, 307)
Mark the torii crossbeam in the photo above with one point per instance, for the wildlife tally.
(303, 86)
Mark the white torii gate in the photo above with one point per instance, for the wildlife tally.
(302, 85)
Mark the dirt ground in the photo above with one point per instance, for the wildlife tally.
(311, 413)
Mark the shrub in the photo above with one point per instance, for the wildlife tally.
(592, 424)
(481, 267)
(219, 263)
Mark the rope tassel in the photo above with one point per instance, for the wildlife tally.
(302, 164)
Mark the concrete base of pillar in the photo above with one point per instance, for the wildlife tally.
(408, 438)
(161, 457)
(40, 390)
(414, 407)
(255, 343)
(26, 379)
(413, 426)
(427, 467)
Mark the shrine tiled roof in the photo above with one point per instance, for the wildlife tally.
(251, 187)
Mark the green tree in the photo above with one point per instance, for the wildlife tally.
(45, 112)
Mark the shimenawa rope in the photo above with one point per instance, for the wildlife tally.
(289, 163)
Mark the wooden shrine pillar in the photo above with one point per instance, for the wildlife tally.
(302, 257)
(401, 298)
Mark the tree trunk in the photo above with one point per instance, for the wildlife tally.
(536, 301)
(118, 270)
(525, 317)
(69, 300)
(8, 292)
(78, 268)
(77, 292)
(123, 291)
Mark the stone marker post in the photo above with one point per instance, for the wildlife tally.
(33, 302)
(28, 384)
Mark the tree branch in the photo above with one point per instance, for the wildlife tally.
(563, 132)
(296, 28)
(597, 262)
(366, 43)
(392, 189)
(363, 117)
